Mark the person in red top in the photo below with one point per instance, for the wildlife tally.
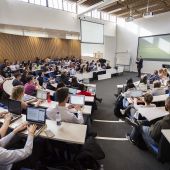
(83, 91)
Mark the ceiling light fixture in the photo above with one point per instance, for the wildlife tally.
(147, 14)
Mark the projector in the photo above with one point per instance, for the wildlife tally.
(129, 19)
(148, 15)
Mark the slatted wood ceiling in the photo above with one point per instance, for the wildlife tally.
(19, 48)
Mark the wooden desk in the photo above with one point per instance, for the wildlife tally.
(152, 113)
(68, 132)
(86, 110)
(166, 133)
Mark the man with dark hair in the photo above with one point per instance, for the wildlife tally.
(139, 63)
(66, 115)
(151, 134)
(16, 81)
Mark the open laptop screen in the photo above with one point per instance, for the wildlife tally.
(72, 91)
(36, 114)
(77, 100)
(14, 107)
(136, 93)
(41, 94)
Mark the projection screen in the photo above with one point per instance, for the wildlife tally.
(92, 32)
(155, 48)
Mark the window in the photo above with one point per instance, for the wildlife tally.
(112, 18)
(96, 14)
(25, 0)
(69, 6)
(38, 2)
(105, 16)
(58, 4)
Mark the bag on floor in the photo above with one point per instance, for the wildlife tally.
(90, 153)
(118, 106)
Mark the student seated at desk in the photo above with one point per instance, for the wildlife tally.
(17, 80)
(8, 157)
(42, 78)
(64, 78)
(151, 134)
(66, 115)
(154, 77)
(18, 94)
(157, 90)
(74, 83)
(24, 77)
(143, 79)
(129, 84)
(167, 89)
(7, 119)
(132, 110)
(31, 86)
(83, 91)
(55, 96)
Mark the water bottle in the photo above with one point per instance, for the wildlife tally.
(58, 119)
(101, 167)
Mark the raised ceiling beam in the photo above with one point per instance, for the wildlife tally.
(81, 2)
(96, 6)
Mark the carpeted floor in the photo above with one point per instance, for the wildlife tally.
(120, 154)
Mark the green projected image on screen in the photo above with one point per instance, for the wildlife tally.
(154, 47)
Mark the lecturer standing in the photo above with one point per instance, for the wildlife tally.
(139, 63)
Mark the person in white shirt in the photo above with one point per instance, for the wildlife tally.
(8, 157)
(132, 110)
(66, 115)
(157, 90)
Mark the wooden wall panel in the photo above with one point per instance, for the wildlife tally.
(19, 48)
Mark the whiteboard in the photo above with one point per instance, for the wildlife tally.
(90, 49)
(123, 59)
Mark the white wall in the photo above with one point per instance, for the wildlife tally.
(13, 12)
(128, 33)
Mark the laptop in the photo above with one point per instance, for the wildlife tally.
(41, 94)
(72, 91)
(77, 100)
(143, 87)
(28, 98)
(15, 108)
(37, 116)
(86, 81)
(91, 90)
(136, 93)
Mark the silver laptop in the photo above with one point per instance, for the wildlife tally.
(28, 97)
(14, 107)
(72, 91)
(77, 100)
(136, 93)
(41, 94)
(86, 81)
(37, 115)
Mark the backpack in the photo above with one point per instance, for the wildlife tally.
(89, 155)
(118, 106)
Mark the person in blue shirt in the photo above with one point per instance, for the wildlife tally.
(154, 77)
(42, 78)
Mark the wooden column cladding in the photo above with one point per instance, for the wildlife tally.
(19, 48)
